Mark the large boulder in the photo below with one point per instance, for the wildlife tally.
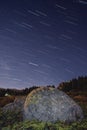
(51, 105)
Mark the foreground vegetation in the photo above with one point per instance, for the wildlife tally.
(34, 125)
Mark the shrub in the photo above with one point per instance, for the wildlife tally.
(9, 117)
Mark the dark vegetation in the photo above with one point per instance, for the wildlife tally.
(13, 120)
(77, 84)
(16, 92)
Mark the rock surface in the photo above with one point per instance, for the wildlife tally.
(51, 105)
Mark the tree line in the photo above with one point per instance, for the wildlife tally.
(17, 92)
(76, 84)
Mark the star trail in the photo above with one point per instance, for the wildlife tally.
(42, 42)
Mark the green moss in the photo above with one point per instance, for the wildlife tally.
(35, 125)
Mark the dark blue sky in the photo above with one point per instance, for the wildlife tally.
(42, 42)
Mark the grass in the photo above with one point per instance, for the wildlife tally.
(5, 100)
(9, 118)
(35, 125)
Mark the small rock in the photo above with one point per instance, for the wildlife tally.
(16, 105)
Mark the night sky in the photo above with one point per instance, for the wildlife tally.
(42, 42)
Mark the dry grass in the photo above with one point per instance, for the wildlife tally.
(6, 100)
(81, 98)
